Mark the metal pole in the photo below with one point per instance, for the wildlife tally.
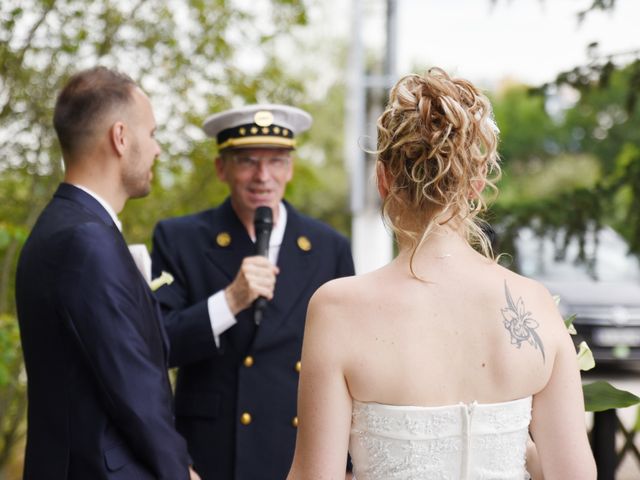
(603, 439)
(355, 108)
(391, 60)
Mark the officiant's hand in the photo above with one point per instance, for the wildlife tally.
(193, 475)
(256, 278)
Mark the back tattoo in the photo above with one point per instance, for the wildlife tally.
(520, 324)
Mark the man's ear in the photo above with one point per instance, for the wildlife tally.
(117, 135)
(382, 180)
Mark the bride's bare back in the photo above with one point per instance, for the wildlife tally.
(441, 324)
(471, 331)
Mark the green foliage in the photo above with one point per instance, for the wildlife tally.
(600, 396)
(9, 349)
(12, 387)
(590, 176)
(526, 130)
(193, 58)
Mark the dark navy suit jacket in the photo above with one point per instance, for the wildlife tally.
(95, 352)
(215, 385)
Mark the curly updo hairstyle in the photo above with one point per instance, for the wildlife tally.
(437, 142)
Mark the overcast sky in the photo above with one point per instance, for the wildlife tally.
(525, 40)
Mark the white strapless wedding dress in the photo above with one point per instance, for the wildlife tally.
(455, 442)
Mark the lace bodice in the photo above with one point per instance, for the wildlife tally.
(462, 442)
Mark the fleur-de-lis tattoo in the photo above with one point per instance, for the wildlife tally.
(520, 323)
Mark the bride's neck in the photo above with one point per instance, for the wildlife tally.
(441, 243)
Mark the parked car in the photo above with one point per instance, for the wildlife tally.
(602, 290)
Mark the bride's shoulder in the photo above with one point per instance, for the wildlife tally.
(337, 293)
(534, 295)
(346, 290)
(343, 301)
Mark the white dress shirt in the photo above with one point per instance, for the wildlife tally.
(220, 315)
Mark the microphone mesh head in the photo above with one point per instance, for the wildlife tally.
(263, 216)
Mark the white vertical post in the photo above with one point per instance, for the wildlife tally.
(371, 242)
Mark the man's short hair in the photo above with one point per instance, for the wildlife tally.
(87, 98)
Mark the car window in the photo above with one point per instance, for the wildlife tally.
(607, 260)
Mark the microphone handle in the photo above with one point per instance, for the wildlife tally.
(259, 306)
(262, 248)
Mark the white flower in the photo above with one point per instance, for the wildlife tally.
(165, 278)
(585, 357)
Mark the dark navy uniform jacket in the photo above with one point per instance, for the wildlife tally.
(236, 405)
(100, 403)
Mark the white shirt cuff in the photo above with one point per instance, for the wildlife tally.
(220, 316)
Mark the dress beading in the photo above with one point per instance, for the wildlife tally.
(456, 442)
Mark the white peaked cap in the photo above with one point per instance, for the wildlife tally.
(266, 125)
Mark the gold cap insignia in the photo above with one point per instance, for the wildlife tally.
(304, 243)
(223, 239)
(263, 118)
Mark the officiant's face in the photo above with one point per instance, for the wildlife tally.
(256, 177)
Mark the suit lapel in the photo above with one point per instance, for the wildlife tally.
(86, 201)
(229, 244)
(229, 241)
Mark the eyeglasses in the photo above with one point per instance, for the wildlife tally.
(251, 163)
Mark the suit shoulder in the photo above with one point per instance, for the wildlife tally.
(93, 238)
(186, 222)
(317, 227)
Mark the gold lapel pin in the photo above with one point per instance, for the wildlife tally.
(304, 243)
(223, 239)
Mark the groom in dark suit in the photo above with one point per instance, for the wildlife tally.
(94, 347)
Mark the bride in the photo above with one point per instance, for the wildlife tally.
(442, 363)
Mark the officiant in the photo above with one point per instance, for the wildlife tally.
(237, 381)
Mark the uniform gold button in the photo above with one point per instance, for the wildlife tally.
(304, 243)
(294, 422)
(245, 418)
(248, 361)
(298, 366)
(223, 239)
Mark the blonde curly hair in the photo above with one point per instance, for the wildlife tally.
(437, 143)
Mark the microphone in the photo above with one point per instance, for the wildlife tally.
(262, 224)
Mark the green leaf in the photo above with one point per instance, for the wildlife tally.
(636, 427)
(601, 395)
(568, 322)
